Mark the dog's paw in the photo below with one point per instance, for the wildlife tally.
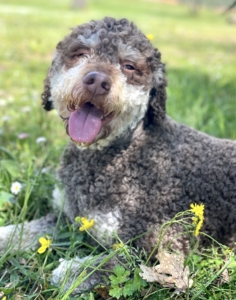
(72, 274)
(25, 236)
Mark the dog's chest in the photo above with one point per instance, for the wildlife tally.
(103, 183)
(110, 187)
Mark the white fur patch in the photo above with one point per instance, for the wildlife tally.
(105, 225)
(6, 232)
(60, 273)
(61, 204)
(58, 198)
(90, 42)
(135, 101)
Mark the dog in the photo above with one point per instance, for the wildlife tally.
(129, 167)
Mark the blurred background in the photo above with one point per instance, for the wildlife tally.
(197, 42)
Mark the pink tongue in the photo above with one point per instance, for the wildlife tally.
(85, 123)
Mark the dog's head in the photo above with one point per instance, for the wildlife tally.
(105, 77)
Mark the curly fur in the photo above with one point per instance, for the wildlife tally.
(144, 168)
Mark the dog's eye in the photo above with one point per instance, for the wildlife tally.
(128, 67)
(82, 55)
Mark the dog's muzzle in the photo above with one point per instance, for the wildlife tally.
(87, 120)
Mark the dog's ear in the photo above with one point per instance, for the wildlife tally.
(46, 95)
(157, 98)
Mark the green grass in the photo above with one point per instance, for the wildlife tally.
(200, 58)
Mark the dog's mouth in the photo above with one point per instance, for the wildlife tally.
(86, 123)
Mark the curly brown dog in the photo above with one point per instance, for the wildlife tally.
(129, 167)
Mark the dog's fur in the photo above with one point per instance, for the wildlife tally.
(140, 168)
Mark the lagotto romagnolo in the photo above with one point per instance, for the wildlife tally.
(128, 165)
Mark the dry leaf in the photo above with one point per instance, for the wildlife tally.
(169, 273)
(224, 277)
(103, 292)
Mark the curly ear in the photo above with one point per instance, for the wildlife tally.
(46, 95)
(157, 98)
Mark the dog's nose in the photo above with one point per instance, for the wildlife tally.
(97, 83)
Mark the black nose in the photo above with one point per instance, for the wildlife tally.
(97, 83)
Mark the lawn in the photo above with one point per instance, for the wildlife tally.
(200, 56)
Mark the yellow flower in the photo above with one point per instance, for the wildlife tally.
(117, 246)
(150, 36)
(228, 251)
(86, 224)
(45, 243)
(4, 298)
(198, 210)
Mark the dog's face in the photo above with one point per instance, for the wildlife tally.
(102, 80)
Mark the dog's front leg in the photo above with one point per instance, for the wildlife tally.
(25, 235)
(79, 275)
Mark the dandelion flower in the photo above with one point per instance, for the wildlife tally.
(86, 224)
(45, 244)
(41, 140)
(16, 187)
(198, 219)
(150, 36)
(117, 246)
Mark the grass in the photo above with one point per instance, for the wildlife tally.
(199, 53)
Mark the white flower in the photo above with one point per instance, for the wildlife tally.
(44, 170)
(6, 118)
(3, 102)
(26, 109)
(10, 100)
(41, 140)
(16, 187)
